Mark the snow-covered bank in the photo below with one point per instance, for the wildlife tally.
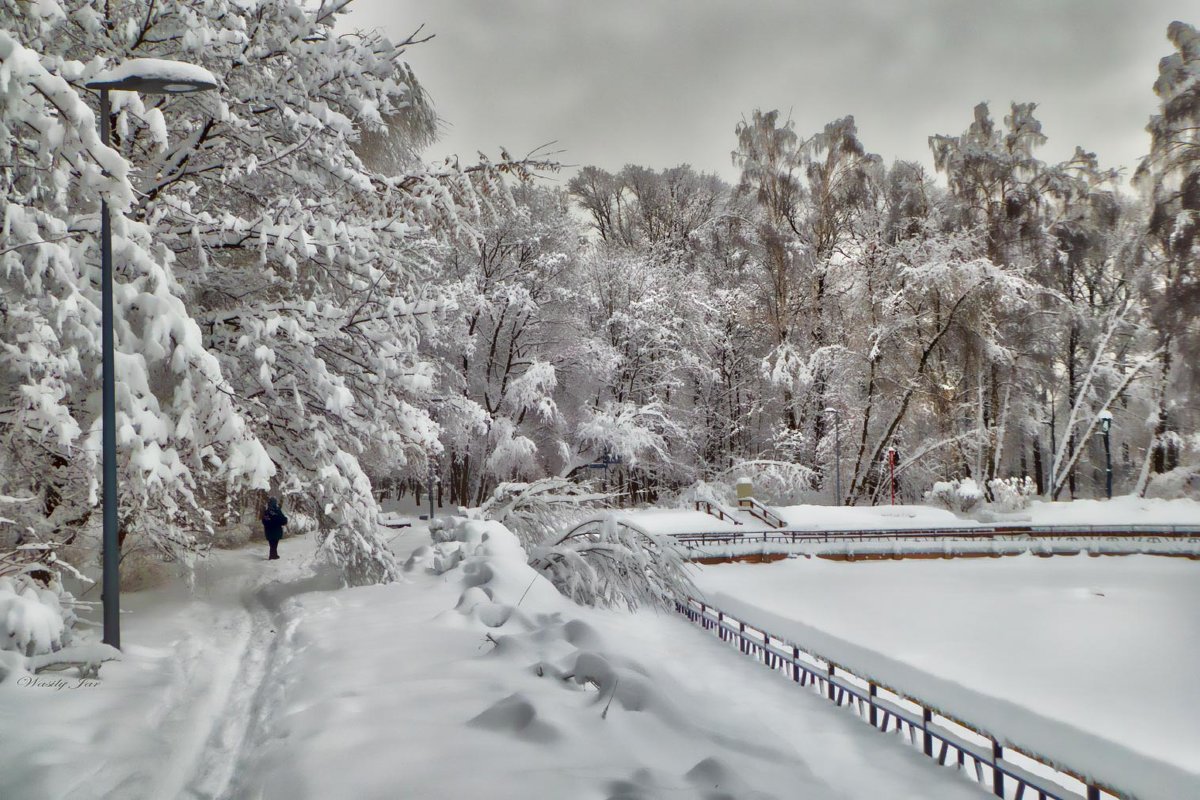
(1123, 510)
(1054, 655)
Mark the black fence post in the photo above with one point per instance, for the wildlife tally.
(873, 692)
(829, 678)
(926, 718)
(997, 775)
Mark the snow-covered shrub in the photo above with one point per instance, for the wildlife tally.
(775, 482)
(1012, 494)
(1179, 482)
(536, 511)
(32, 620)
(614, 563)
(959, 496)
(714, 491)
(37, 615)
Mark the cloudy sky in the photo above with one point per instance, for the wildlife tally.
(664, 82)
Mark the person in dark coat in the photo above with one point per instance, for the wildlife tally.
(273, 520)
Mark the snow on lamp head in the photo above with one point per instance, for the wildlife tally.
(1105, 417)
(154, 76)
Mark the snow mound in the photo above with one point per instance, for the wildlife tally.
(516, 714)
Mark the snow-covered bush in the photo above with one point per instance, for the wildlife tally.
(614, 563)
(774, 482)
(37, 615)
(32, 620)
(1179, 482)
(1012, 494)
(714, 491)
(958, 496)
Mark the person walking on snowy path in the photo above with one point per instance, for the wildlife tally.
(273, 520)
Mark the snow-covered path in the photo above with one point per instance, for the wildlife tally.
(172, 718)
(244, 681)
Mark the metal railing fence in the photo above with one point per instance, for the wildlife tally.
(948, 739)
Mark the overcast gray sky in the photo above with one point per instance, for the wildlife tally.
(664, 82)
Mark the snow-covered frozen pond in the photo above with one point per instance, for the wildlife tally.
(1107, 646)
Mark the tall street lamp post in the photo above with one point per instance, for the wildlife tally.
(148, 76)
(1106, 418)
(837, 446)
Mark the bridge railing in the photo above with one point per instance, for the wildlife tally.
(1183, 532)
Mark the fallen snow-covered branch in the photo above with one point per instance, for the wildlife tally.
(613, 563)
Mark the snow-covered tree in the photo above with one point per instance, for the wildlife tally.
(273, 244)
(515, 297)
(1170, 175)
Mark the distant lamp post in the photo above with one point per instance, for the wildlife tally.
(837, 447)
(149, 76)
(1105, 417)
(891, 456)
(433, 479)
(1053, 451)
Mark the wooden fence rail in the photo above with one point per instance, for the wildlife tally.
(888, 710)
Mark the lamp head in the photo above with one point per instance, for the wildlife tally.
(154, 76)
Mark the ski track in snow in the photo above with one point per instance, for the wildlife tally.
(239, 684)
(221, 723)
(265, 696)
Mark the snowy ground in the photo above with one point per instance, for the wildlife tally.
(1091, 660)
(454, 683)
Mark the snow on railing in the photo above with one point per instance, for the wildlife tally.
(948, 739)
(1181, 540)
(975, 532)
(713, 509)
(760, 511)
